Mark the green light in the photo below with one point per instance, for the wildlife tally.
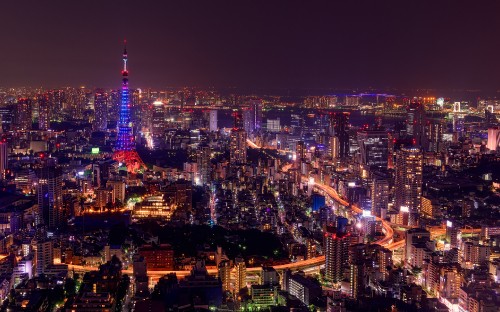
(95, 150)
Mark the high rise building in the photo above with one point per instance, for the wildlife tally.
(4, 160)
(415, 123)
(374, 147)
(241, 274)
(408, 182)
(433, 135)
(339, 122)
(252, 116)
(213, 120)
(49, 192)
(379, 195)
(204, 165)
(43, 112)
(44, 255)
(22, 115)
(336, 253)
(158, 119)
(238, 146)
(225, 274)
(100, 111)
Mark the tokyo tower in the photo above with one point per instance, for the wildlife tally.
(125, 144)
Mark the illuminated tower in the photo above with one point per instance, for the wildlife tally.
(125, 145)
(125, 138)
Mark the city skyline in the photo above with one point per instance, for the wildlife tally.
(292, 45)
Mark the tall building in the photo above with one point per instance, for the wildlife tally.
(434, 135)
(252, 116)
(336, 253)
(49, 193)
(213, 120)
(158, 125)
(339, 122)
(125, 145)
(408, 182)
(374, 147)
(379, 196)
(415, 123)
(241, 274)
(4, 159)
(22, 115)
(204, 165)
(43, 112)
(238, 146)
(100, 111)
(44, 255)
(225, 274)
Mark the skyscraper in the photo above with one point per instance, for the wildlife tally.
(204, 163)
(252, 117)
(379, 195)
(100, 111)
(238, 146)
(339, 122)
(49, 193)
(415, 123)
(336, 253)
(22, 115)
(241, 274)
(408, 182)
(374, 147)
(43, 112)
(125, 145)
(213, 120)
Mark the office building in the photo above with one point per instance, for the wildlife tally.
(374, 147)
(158, 257)
(340, 124)
(415, 123)
(213, 126)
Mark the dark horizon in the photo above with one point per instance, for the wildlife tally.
(256, 46)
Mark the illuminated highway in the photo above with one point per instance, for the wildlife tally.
(388, 231)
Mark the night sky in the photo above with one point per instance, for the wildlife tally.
(252, 44)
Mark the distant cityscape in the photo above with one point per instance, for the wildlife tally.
(136, 199)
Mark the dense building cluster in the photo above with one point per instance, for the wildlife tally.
(186, 199)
